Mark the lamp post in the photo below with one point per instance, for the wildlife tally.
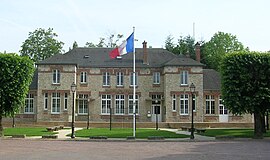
(192, 90)
(73, 89)
(88, 118)
(13, 121)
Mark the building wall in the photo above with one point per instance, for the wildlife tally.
(45, 85)
(173, 87)
(247, 118)
(169, 86)
(95, 89)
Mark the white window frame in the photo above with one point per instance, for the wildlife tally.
(65, 101)
(131, 79)
(222, 109)
(184, 104)
(29, 104)
(56, 76)
(119, 104)
(184, 78)
(56, 103)
(46, 101)
(83, 104)
(174, 103)
(120, 79)
(106, 104)
(210, 104)
(106, 79)
(156, 78)
(83, 77)
(130, 104)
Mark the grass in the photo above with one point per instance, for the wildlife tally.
(125, 132)
(239, 133)
(26, 131)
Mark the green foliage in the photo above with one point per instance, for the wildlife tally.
(184, 46)
(16, 75)
(75, 45)
(220, 44)
(124, 132)
(41, 44)
(27, 131)
(245, 81)
(111, 41)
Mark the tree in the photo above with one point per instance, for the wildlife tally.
(245, 85)
(110, 41)
(41, 44)
(75, 45)
(185, 45)
(169, 44)
(16, 75)
(220, 44)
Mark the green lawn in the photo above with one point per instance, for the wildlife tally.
(26, 131)
(125, 132)
(240, 133)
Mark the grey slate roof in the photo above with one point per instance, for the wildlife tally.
(211, 80)
(99, 57)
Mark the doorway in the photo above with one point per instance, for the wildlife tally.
(156, 113)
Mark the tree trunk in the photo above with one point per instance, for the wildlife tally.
(263, 124)
(1, 127)
(258, 134)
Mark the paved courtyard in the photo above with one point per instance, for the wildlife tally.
(32, 149)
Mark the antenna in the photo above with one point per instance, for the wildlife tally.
(194, 31)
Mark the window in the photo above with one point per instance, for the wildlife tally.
(183, 104)
(29, 104)
(56, 76)
(56, 103)
(174, 102)
(66, 101)
(156, 78)
(184, 78)
(45, 101)
(210, 104)
(83, 77)
(136, 79)
(119, 104)
(106, 79)
(106, 102)
(120, 78)
(130, 104)
(83, 104)
(222, 109)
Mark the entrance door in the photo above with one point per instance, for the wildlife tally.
(156, 113)
(223, 112)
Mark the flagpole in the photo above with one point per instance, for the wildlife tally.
(134, 88)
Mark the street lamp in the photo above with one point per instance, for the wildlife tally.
(88, 118)
(73, 89)
(192, 90)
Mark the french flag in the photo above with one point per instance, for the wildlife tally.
(126, 47)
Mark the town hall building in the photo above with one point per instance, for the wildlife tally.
(105, 89)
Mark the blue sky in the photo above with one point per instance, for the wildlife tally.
(87, 20)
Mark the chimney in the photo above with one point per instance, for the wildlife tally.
(198, 52)
(145, 54)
